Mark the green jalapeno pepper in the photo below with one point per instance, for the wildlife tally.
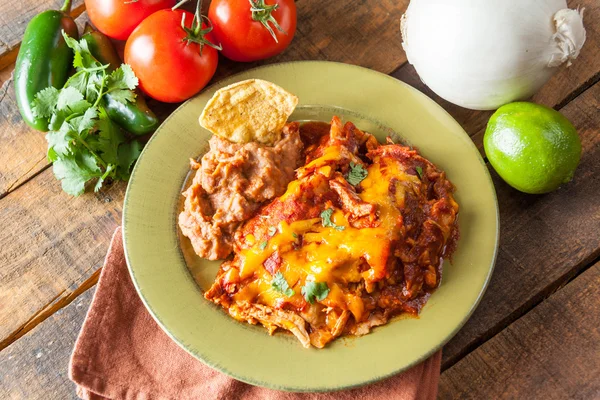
(44, 60)
(136, 117)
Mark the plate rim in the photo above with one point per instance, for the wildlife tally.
(300, 389)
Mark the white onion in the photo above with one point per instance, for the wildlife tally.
(481, 54)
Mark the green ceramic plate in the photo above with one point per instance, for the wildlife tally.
(160, 262)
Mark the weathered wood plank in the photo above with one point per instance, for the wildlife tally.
(23, 157)
(14, 17)
(6, 74)
(552, 352)
(561, 89)
(36, 367)
(545, 239)
(372, 42)
(52, 247)
(360, 32)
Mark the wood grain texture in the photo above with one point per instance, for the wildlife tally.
(6, 74)
(544, 240)
(355, 32)
(372, 42)
(36, 367)
(14, 17)
(52, 246)
(553, 352)
(360, 32)
(26, 148)
(567, 84)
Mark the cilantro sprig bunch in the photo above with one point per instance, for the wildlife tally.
(84, 145)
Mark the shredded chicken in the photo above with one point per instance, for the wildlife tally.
(270, 316)
(351, 203)
(362, 328)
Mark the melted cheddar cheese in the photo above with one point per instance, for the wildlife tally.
(310, 251)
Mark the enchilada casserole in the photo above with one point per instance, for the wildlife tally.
(359, 236)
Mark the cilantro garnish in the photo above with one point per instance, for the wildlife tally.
(262, 245)
(315, 290)
(272, 231)
(419, 172)
(280, 284)
(83, 143)
(356, 174)
(327, 222)
(295, 235)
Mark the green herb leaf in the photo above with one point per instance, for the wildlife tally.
(79, 81)
(78, 60)
(263, 245)
(327, 222)
(356, 174)
(57, 120)
(109, 169)
(295, 235)
(67, 97)
(59, 142)
(82, 58)
(88, 120)
(94, 86)
(123, 95)
(280, 284)
(121, 83)
(74, 45)
(74, 170)
(128, 153)
(122, 78)
(315, 290)
(45, 102)
(419, 172)
(79, 107)
(109, 138)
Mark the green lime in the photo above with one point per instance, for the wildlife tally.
(533, 148)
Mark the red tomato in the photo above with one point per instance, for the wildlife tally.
(246, 39)
(118, 18)
(169, 68)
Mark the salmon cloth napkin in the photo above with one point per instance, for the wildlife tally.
(121, 353)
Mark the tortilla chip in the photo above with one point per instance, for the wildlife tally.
(247, 111)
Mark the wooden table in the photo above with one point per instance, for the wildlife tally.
(535, 334)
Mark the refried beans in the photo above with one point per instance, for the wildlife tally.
(231, 183)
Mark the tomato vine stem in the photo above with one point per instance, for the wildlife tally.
(263, 13)
(195, 34)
